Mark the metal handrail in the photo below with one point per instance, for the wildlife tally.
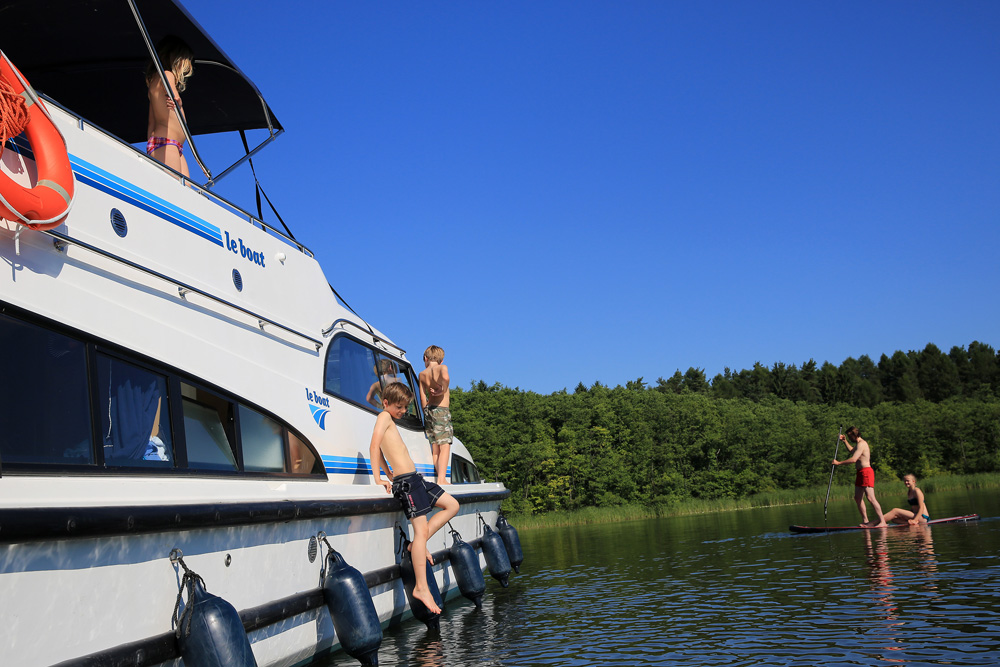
(166, 88)
(368, 332)
(222, 201)
(182, 288)
(272, 135)
(209, 179)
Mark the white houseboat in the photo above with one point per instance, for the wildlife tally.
(177, 375)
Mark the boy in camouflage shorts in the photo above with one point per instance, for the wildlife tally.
(436, 397)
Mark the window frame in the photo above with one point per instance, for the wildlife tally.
(457, 461)
(409, 422)
(94, 353)
(95, 348)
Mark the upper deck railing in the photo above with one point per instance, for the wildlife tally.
(83, 124)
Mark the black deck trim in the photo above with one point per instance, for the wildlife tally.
(47, 523)
(161, 648)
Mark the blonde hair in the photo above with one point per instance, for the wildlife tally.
(911, 476)
(175, 55)
(434, 353)
(397, 393)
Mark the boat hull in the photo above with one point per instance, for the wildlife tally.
(110, 565)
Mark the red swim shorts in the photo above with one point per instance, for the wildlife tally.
(865, 477)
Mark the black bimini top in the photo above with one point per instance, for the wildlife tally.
(90, 56)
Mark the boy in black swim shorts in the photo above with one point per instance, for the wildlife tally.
(416, 495)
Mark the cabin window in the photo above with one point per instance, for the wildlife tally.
(388, 372)
(44, 396)
(463, 471)
(359, 374)
(301, 458)
(351, 372)
(135, 417)
(413, 418)
(73, 404)
(263, 442)
(208, 429)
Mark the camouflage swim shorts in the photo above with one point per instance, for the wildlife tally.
(437, 424)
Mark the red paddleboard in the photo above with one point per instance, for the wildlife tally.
(830, 529)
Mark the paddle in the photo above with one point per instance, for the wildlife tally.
(836, 449)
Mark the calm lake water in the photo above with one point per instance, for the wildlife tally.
(735, 588)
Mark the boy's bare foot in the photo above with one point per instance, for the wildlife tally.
(424, 595)
(442, 482)
(879, 525)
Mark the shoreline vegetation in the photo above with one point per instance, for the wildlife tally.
(693, 506)
(753, 438)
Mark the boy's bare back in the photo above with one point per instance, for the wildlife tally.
(434, 383)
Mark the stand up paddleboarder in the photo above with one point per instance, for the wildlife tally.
(864, 481)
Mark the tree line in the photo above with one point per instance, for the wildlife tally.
(757, 430)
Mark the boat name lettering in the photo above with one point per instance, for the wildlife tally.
(317, 398)
(238, 247)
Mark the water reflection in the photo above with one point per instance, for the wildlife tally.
(880, 573)
(428, 651)
(906, 551)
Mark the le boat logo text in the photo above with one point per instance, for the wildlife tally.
(243, 250)
(317, 405)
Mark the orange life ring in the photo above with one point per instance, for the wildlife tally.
(45, 205)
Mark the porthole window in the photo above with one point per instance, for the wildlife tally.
(118, 223)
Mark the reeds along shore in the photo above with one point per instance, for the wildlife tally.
(816, 494)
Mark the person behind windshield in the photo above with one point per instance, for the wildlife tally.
(165, 137)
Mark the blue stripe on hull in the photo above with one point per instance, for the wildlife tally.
(346, 465)
(104, 181)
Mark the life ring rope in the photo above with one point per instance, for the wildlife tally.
(14, 115)
(55, 173)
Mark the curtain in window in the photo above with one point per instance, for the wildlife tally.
(131, 397)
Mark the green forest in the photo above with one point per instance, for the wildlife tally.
(742, 433)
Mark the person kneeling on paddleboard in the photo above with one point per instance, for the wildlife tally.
(915, 499)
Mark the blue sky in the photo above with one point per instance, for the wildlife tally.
(565, 192)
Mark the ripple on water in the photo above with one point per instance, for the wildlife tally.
(727, 593)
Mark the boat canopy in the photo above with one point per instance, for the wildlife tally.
(91, 58)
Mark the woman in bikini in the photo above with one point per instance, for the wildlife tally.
(165, 136)
(918, 510)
